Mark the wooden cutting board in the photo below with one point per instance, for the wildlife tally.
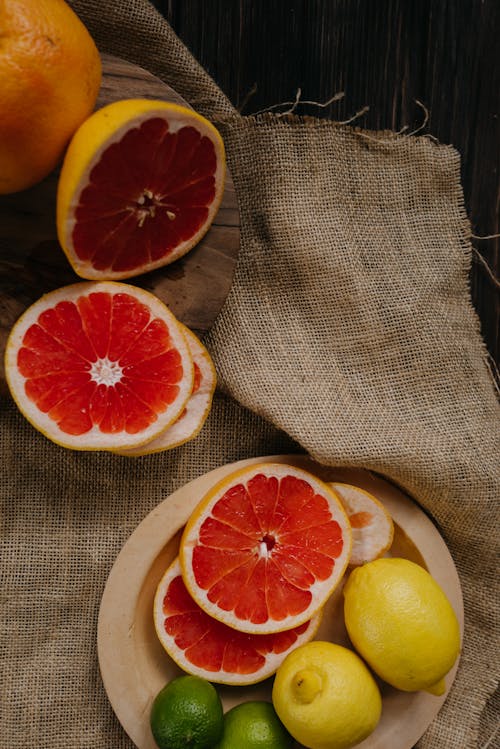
(32, 262)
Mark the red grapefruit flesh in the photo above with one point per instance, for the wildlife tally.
(265, 548)
(208, 648)
(140, 185)
(99, 366)
(197, 408)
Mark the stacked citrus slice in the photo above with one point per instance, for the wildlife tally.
(197, 407)
(371, 524)
(259, 557)
(206, 647)
(106, 366)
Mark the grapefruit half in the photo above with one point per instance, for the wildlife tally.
(197, 408)
(371, 525)
(265, 548)
(99, 366)
(208, 648)
(140, 185)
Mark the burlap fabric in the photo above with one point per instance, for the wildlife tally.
(349, 328)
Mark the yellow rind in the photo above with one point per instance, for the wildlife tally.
(437, 689)
(341, 707)
(103, 127)
(392, 606)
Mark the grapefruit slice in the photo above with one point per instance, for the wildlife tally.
(371, 525)
(205, 647)
(265, 548)
(197, 408)
(99, 366)
(140, 185)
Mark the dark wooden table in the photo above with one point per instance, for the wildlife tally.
(387, 55)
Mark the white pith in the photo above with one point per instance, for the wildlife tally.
(264, 552)
(106, 372)
(320, 590)
(94, 439)
(370, 541)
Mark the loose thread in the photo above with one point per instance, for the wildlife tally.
(426, 118)
(495, 374)
(336, 97)
(405, 128)
(380, 141)
(485, 265)
(359, 113)
(247, 98)
(486, 236)
(490, 740)
(298, 100)
(294, 104)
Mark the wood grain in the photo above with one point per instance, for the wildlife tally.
(32, 262)
(386, 55)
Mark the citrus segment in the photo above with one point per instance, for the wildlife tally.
(208, 648)
(99, 366)
(140, 185)
(371, 524)
(265, 548)
(197, 408)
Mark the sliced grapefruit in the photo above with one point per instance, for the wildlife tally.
(197, 408)
(140, 185)
(265, 548)
(371, 524)
(208, 648)
(99, 366)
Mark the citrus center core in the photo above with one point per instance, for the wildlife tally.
(146, 205)
(266, 544)
(106, 372)
(306, 685)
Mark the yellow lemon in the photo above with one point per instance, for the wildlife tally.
(325, 696)
(400, 621)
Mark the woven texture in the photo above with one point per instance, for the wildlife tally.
(348, 333)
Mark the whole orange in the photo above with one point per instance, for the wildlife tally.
(50, 75)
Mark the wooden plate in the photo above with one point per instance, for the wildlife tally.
(32, 262)
(134, 667)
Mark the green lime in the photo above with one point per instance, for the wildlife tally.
(187, 712)
(254, 725)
